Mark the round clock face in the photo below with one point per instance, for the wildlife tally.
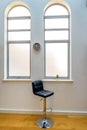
(36, 46)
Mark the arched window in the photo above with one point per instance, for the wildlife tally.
(18, 42)
(57, 41)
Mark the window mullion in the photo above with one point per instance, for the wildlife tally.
(18, 30)
(18, 18)
(19, 42)
(56, 41)
(56, 16)
(57, 29)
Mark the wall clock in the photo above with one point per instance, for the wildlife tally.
(36, 46)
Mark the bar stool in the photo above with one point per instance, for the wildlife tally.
(38, 90)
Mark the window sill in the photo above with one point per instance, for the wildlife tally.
(58, 80)
(17, 80)
(30, 80)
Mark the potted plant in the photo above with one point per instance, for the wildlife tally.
(57, 76)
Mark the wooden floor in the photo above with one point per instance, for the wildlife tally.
(28, 122)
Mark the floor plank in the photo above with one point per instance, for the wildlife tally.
(28, 122)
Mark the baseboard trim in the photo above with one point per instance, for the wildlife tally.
(69, 112)
(33, 111)
(21, 111)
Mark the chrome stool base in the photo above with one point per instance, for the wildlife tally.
(45, 122)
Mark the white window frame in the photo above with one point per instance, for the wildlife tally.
(6, 52)
(68, 77)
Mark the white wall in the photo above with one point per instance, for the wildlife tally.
(69, 96)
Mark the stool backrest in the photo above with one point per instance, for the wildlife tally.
(37, 86)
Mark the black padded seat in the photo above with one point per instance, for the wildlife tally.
(44, 93)
(39, 90)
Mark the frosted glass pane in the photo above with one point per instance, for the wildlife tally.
(16, 36)
(57, 59)
(19, 60)
(56, 35)
(19, 11)
(56, 23)
(56, 10)
(19, 24)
